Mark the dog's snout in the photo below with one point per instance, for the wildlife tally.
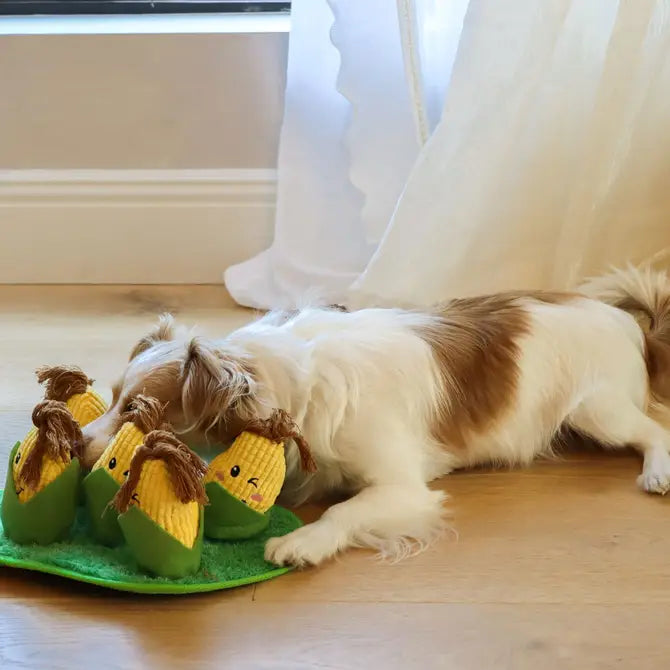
(93, 443)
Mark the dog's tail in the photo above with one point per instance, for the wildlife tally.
(644, 293)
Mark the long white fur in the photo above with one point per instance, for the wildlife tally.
(364, 387)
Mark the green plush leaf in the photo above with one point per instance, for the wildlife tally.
(99, 489)
(155, 549)
(228, 518)
(48, 515)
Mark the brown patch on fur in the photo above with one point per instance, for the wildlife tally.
(636, 309)
(62, 381)
(475, 344)
(280, 426)
(646, 297)
(657, 358)
(116, 392)
(162, 331)
(644, 293)
(186, 469)
(58, 436)
(653, 318)
(498, 299)
(216, 387)
(657, 349)
(145, 412)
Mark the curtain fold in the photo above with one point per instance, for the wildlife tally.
(347, 145)
(317, 240)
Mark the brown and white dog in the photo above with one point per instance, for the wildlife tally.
(390, 399)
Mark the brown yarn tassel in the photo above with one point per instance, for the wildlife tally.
(186, 469)
(63, 381)
(280, 426)
(58, 436)
(145, 412)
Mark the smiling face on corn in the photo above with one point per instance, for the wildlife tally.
(119, 452)
(253, 470)
(143, 414)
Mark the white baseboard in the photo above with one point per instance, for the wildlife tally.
(131, 226)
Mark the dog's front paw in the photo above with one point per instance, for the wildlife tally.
(308, 545)
(654, 482)
(655, 477)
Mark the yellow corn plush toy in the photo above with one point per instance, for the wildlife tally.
(160, 506)
(243, 482)
(143, 415)
(40, 497)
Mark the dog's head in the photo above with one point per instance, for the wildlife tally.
(207, 389)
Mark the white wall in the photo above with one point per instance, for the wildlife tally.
(141, 101)
(105, 131)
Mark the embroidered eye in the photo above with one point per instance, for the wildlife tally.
(253, 481)
(234, 471)
(18, 458)
(112, 463)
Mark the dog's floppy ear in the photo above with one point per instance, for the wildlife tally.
(215, 385)
(163, 330)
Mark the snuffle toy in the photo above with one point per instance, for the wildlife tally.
(147, 490)
(40, 498)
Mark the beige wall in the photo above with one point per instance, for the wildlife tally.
(141, 101)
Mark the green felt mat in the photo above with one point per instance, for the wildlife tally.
(224, 564)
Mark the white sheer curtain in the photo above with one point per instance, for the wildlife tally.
(550, 160)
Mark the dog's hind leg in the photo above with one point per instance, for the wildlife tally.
(614, 420)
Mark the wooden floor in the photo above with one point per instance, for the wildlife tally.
(565, 565)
